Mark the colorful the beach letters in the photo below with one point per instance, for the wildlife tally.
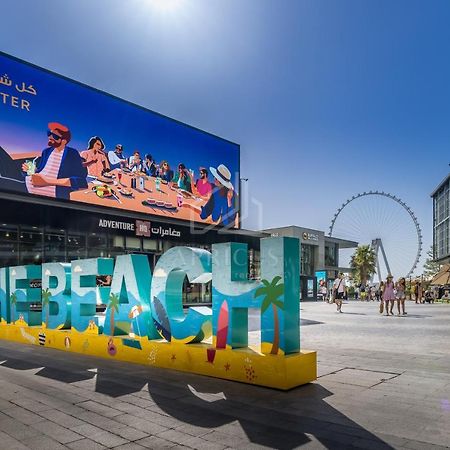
(121, 309)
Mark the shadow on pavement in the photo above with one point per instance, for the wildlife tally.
(232, 413)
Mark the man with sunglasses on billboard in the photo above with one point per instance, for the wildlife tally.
(60, 168)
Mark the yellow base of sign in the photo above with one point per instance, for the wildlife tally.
(245, 365)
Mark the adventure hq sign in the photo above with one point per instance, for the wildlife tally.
(144, 321)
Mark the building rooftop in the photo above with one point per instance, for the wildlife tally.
(442, 183)
(295, 230)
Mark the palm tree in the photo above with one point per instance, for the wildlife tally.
(363, 263)
(114, 307)
(272, 292)
(46, 295)
(13, 298)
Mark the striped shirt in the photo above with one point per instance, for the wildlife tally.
(50, 170)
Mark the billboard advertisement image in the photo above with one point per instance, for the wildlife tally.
(62, 140)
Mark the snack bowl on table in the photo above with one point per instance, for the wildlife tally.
(126, 192)
(160, 203)
(151, 201)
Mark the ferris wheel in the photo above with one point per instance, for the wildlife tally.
(385, 222)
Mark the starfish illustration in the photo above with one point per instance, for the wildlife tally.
(173, 357)
(227, 366)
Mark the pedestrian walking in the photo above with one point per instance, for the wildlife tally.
(388, 295)
(339, 290)
(380, 296)
(401, 295)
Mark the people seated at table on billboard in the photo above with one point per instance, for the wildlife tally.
(202, 187)
(182, 178)
(222, 204)
(135, 163)
(165, 172)
(95, 159)
(149, 166)
(116, 158)
(60, 169)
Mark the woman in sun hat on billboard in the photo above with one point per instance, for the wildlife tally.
(222, 204)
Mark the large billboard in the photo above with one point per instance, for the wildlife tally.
(63, 140)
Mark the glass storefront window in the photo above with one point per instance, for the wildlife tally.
(30, 245)
(9, 247)
(307, 260)
(150, 244)
(96, 245)
(76, 247)
(54, 247)
(133, 243)
(331, 255)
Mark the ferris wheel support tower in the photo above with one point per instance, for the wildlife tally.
(377, 245)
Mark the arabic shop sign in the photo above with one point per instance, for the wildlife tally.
(141, 228)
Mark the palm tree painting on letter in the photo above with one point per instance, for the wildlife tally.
(46, 295)
(13, 298)
(114, 307)
(272, 291)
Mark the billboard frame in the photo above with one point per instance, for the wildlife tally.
(56, 202)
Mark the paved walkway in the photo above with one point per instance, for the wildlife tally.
(384, 383)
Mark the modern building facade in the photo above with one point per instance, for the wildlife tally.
(319, 256)
(441, 221)
(34, 232)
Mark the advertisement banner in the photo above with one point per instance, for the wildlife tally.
(66, 141)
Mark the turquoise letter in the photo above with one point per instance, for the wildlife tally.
(4, 295)
(128, 305)
(167, 290)
(85, 293)
(280, 294)
(56, 301)
(233, 292)
(277, 295)
(24, 293)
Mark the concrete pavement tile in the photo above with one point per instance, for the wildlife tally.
(109, 439)
(202, 444)
(60, 418)
(43, 443)
(10, 443)
(131, 434)
(194, 430)
(101, 422)
(22, 415)
(228, 440)
(30, 405)
(420, 445)
(16, 429)
(174, 436)
(140, 424)
(85, 444)
(130, 446)
(98, 408)
(87, 430)
(56, 432)
(155, 442)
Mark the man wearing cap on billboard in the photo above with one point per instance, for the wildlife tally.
(116, 159)
(222, 204)
(60, 169)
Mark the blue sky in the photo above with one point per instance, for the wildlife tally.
(326, 98)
